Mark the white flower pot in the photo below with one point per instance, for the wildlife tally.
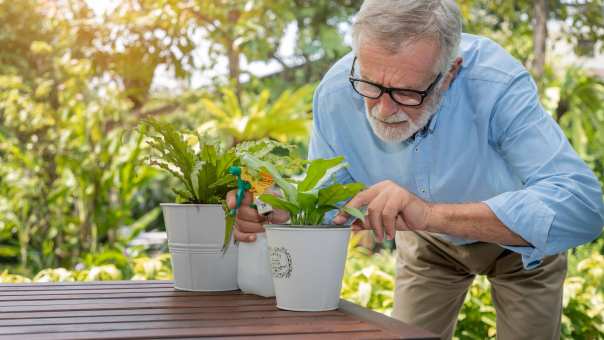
(307, 265)
(195, 238)
(254, 267)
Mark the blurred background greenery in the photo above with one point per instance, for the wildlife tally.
(78, 201)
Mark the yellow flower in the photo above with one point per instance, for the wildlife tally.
(259, 183)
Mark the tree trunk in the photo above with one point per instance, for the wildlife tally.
(563, 107)
(539, 38)
(233, 52)
(233, 55)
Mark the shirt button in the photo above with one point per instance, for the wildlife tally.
(416, 149)
(422, 190)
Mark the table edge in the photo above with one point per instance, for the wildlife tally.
(385, 321)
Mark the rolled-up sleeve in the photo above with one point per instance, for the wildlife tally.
(560, 205)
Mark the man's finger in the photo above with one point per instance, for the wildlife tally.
(231, 199)
(248, 198)
(244, 237)
(389, 215)
(361, 199)
(278, 216)
(248, 213)
(340, 218)
(375, 215)
(400, 223)
(249, 227)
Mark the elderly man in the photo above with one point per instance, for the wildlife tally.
(462, 164)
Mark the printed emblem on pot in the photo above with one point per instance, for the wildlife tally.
(281, 262)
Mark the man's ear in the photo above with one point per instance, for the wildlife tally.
(455, 66)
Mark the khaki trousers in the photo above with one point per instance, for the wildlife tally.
(433, 277)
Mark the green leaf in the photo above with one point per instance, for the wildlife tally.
(353, 212)
(9, 251)
(223, 163)
(229, 223)
(202, 172)
(319, 171)
(141, 224)
(338, 192)
(279, 203)
(181, 195)
(225, 180)
(307, 201)
(288, 188)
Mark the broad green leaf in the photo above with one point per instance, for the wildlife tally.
(214, 109)
(140, 224)
(338, 192)
(307, 201)
(353, 212)
(9, 251)
(280, 203)
(231, 103)
(319, 172)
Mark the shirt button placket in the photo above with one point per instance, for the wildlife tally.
(421, 170)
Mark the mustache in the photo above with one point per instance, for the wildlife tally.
(398, 117)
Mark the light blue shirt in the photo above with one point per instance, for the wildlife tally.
(491, 141)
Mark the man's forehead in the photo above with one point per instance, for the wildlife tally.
(413, 64)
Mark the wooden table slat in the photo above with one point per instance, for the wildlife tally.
(132, 305)
(357, 335)
(80, 284)
(309, 321)
(23, 297)
(259, 331)
(134, 311)
(144, 309)
(161, 317)
(46, 290)
(192, 301)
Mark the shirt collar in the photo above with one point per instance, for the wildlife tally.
(445, 103)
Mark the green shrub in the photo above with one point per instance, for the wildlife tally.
(139, 268)
(369, 278)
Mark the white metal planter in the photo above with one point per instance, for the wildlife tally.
(254, 267)
(195, 238)
(307, 265)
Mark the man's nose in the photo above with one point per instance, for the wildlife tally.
(387, 107)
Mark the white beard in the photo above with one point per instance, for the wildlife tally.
(398, 134)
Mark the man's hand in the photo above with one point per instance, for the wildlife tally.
(248, 222)
(390, 207)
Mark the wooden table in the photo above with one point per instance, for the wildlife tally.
(154, 309)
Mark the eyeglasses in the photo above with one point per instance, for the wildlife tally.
(404, 97)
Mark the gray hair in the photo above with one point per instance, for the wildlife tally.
(395, 23)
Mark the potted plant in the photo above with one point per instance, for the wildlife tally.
(308, 257)
(204, 257)
(254, 265)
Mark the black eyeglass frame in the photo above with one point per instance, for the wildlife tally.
(389, 90)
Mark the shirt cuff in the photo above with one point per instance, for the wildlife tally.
(524, 214)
